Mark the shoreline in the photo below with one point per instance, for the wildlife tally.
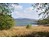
(34, 26)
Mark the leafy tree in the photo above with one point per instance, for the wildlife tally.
(6, 20)
(43, 22)
(6, 8)
(43, 8)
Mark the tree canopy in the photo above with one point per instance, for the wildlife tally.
(43, 8)
(6, 8)
(6, 20)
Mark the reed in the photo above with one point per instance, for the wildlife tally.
(24, 32)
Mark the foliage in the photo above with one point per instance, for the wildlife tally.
(44, 21)
(43, 8)
(29, 26)
(7, 8)
(6, 22)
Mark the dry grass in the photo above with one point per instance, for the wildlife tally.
(22, 31)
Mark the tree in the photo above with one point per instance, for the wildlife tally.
(6, 20)
(43, 8)
(43, 21)
(6, 8)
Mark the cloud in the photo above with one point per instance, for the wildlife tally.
(29, 9)
(23, 13)
(17, 7)
(19, 14)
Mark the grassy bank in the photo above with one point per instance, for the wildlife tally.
(38, 31)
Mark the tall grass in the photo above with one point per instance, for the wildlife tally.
(39, 31)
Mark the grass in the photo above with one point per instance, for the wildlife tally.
(39, 31)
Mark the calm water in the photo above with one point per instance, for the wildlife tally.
(24, 23)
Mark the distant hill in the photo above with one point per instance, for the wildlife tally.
(25, 21)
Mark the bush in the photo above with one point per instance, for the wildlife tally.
(6, 22)
(43, 22)
(29, 26)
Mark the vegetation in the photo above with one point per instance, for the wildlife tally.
(43, 22)
(6, 20)
(39, 31)
(43, 8)
(29, 26)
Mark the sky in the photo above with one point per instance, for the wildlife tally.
(24, 10)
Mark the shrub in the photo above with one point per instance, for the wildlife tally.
(29, 26)
(43, 21)
(6, 22)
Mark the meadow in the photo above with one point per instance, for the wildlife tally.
(22, 31)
